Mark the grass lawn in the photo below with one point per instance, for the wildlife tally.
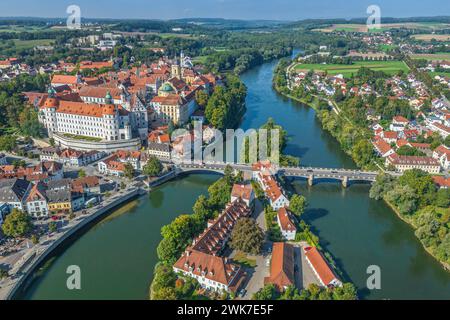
(445, 74)
(16, 28)
(432, 56)
(387, 47)
(200, 59)
(242, 259)
(389, 67)
(85, 138)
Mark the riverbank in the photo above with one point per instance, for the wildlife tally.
(36, 255)
(315, 105)
(412, 226)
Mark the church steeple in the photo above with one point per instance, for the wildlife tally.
(51, 92)
(108, 98)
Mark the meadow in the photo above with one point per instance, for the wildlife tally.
(354, 27)
(389, 67)
(432, 56)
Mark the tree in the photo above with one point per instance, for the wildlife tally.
(409, 151)
(404, 198)
(219, 194)
(422, 185)
(81, 173)
(165, 294)
(16, 224)
(52, 227)
(443, 198)
(202, 98)
(4, 274)
(383, 184)
(362, 153)
(346, 292)
(7, 143)
(447, 141)
(51, 141)
(153, 167)
(247, 236)
(129, 171)
(201, 208)
(268, 292)
(35, 239)
(297, 204)
(29, 123)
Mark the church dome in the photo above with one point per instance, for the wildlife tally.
(167, 88)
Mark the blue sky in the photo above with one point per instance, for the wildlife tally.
(236, 9)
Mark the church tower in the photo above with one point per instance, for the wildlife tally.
(176, 69)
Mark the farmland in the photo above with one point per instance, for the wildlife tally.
(389, 67)
(429, 37)
(353, 27)
(432, 56)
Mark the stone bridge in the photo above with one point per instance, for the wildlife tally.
(311, 174)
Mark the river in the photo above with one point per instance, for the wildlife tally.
(118, 255)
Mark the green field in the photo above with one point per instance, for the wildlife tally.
(445, 74)
(355, 27)
(389, 67)
(14, 28)
(432, 56)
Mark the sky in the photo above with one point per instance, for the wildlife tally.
(230, 9)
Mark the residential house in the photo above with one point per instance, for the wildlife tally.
(270, 186)
(320, 267)
(13, 192)
(212, 272)
(442, 154)
(286, 223)
(36, 201)
(244, 192)
(383, 148)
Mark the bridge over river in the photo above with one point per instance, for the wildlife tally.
(311, 174)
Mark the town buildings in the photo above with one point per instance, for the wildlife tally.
(286, 223)
(202, 259)
(13, 193)
(282, 266)
(404, 163)
(70, 157)
(263, 174)
(442, 154)
(245, 193)
(115, 163)
(320, 267)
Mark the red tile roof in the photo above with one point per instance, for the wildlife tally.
(286, 220)
(441, 181)
(214, 268)
(243, 191)
(282, 266)
(320, 265)
(412, 160)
